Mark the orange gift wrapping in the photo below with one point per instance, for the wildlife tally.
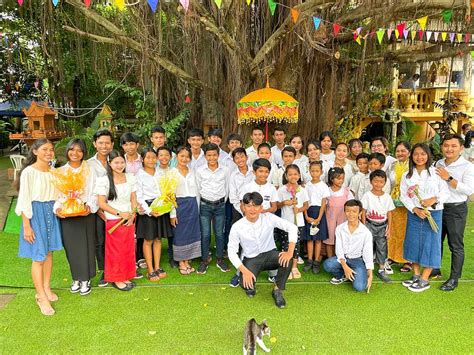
(71, 184)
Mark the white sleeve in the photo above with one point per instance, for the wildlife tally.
(407, 201)
(274, 195)
(390, 204)
(466, 185)
(365, 201)
(102, 186)
(233, 247)
(132, 181)
(89, 195)
(140, 197)
(387, 187)
(368, 251)
(233, 191)
(305, 195)
(443, 190)
(23, 204)
(339, 245)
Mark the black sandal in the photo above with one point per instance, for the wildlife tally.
(152, 275)
(128, 287)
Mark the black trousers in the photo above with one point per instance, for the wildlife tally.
(454, 222)
(99, 242)
(265, 262)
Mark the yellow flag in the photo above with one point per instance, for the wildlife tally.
(443, 36)
(248, 2)
(422, 21)
(459, 37)
(397, 34)
(120, 4)
(413, 35)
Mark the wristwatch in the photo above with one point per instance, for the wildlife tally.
(118, 213)
(450, 178)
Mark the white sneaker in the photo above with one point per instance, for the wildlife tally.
(85, 288)
(300, 260)
(388, 268)
(75, 287)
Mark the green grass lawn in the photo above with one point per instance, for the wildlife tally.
(202, 314)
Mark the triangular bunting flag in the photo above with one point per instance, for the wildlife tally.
(272, 5)
(153, 4)
(422, 22)
(20, 2)
(420, 35)
(447, 16)
(467, 37)
(357, 38)
(444, 36)
(120, 4)
(218, 3)
(413, 35)
(472, 54)
(451, 37)
(87, 3)
(436, 34)
(397, 34)
(428, 35)
(400, 28)
(184, 4)
(380, 34)
(459, 37)
(389, 33)
(55, 2)
(359, 30)
(405, 34)
(294, 15)
(317, 22)
(248, 2)
(336, 28)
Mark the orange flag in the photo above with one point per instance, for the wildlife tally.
(294, 15)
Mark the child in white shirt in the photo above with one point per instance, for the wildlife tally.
(362, 161)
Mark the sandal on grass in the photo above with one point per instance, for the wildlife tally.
(184, 271)
(295, 273)
(45, 310)
(406, 268)
(190, 269)
(153, 276)
(161, 273)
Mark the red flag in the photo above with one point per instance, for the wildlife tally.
(336, 28)
(467, 37)
(420, 34)
(87, 3)
(400, 28)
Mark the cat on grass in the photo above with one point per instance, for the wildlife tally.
(253, 335)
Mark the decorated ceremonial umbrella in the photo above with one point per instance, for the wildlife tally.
(267, 105)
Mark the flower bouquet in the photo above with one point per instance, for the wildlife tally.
(293, 191)
(412, 192)
(71, 184)
(165, 203)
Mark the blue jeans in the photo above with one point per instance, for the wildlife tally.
(215, 214)
(333, 266)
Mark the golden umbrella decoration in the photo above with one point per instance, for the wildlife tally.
(267, 105)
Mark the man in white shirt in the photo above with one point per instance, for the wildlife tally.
(459, 175)
(254, 234)
(195, 141)
(279, 136)
(257, 138)
(354, 251)
(240, 178)
(103, 141)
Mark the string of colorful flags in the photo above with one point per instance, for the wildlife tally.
(403, 30)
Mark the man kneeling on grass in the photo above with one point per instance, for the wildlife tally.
(354, 251)
(254, 234)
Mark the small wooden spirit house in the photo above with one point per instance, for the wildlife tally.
(105, 118)
(41, 124)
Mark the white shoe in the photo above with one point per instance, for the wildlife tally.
(388, 268)
(300, 260)
(75, 287)
(85, 288)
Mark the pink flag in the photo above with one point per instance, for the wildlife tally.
(185, 4)
(389, 33)
(436, 34)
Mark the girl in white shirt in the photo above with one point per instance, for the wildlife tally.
(293, 201)
(40, 231)
(117, 198)
(422, 245)
(326, 139)
(300, 159)
(79, 231)
(318, 192)
(340, 161)
(151, 226)
(185, 219)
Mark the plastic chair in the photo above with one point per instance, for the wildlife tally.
(17, 161)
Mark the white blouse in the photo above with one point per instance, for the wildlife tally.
(147, 188)
(187, 186)
(35, 185)
(348, 172)
(429, 185)
(88, 196)
(122, 203)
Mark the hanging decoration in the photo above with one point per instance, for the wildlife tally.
(20, 2)
(153, 4)
(120, 4)
(87, 3)
(428, 35)
(248, 2)
(420, 35)
(336, 28)
(447, 15)
(422, 21)
(389, 33)
(55, 2)
(400, 28)
(184, 4)
(451, 37)
(413, 35)
(218, 3)
(436, 34)
(294, 15)
(380, 34)
(317, 22)
(272, 4)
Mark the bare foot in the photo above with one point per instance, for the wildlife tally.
(44, 306)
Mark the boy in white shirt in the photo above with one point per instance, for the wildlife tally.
(377, 217)
(257, 139)
(362, 161)
(212, 181)
(354, 251)
(233, 141)
(376, 162)
(264, 151)
(239, 179)
(195, 141)
(279, 136)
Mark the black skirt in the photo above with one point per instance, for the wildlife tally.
(78, 234)
(150, 228)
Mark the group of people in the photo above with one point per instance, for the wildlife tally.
(319, 203)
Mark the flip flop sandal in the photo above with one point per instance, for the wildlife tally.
(406, 268)
(296, 273)
(161, 273)
(190, 269)
(184, 271)
(153, 276)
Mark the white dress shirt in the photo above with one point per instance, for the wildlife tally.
(212, 185)
(236, 182)
(251, 154)
(356, 182)
(365, 186)
(317, 192)
(257, 238)
(463, 172)
(196, 163)
(147, 188)
(97, 166)
(354, 245)
(123, 202)
(276, 155)
(348, 172)
(327, 157)
(389, 160)
(429, 185)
